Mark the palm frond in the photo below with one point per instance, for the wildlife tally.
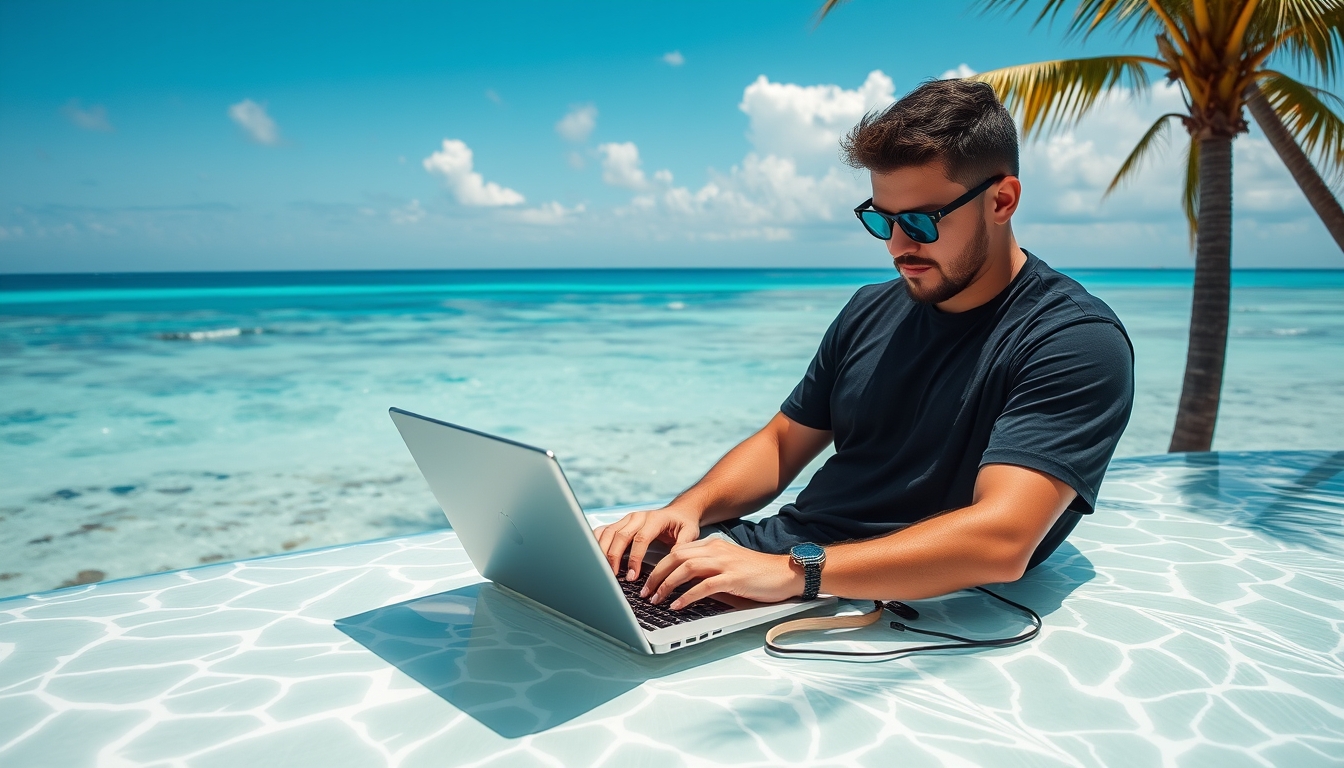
(1306, 113)
(1154, 134)
(1296, 14)
(827, 7)
(1316, 45)
(1190, 194)
(1088, 16)
(1050, 95)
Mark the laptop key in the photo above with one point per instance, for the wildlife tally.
(660, 615)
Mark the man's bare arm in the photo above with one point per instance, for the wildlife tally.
(756, 471)
(988, 542)
(741, 482)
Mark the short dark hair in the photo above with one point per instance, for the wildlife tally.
(959, 123)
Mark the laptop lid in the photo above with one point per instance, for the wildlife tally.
(518, 520)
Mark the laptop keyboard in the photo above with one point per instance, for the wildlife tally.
(652, 616)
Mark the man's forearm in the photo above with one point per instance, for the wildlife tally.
(742, 482)
(988, 542)
(754, 472)
(935, 557)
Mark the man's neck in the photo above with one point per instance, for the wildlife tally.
(1000, 268)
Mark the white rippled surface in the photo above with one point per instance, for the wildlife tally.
(1194, 620)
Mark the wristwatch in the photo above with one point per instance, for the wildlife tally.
(810, 557)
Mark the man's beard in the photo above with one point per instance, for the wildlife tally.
(960, 272)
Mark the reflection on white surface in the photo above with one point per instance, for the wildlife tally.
(1196, 620)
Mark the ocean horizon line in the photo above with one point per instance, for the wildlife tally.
(84, 287)
(4, 276)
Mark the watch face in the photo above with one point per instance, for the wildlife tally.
(807, 552)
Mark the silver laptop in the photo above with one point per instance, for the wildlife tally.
(520, 524)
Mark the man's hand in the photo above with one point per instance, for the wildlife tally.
(743, 481)
(671, 525)
(723, 567)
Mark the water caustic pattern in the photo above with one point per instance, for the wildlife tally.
(1195, 620)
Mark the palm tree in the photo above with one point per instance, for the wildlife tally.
(1219, 53)
(1299, 165)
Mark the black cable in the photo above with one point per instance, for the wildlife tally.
(962, 642)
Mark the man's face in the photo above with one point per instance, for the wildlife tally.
(934, 272)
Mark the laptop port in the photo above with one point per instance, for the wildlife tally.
(677, 644)
(702, 637)
(690, 640)
(717, 631)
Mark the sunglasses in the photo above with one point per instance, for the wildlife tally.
(920, 227)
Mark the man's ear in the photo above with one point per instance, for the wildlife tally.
(1007, 195)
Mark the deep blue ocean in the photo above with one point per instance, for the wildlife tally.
(159, 421)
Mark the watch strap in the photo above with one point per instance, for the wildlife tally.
(811, 580)
(810, 558)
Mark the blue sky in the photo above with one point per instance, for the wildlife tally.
(201, 136)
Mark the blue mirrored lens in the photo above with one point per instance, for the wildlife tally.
(918, 226)
(878, 226)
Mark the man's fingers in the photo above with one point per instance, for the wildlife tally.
(660, 572)
(621, 533)
(710, 586)
(679, 575)
(639, 545)
(605, 539)
(603, 535)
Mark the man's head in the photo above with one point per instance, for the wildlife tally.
(926, 150)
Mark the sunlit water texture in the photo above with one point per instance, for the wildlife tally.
(158, 422)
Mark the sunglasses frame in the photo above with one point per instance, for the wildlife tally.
(898, 219)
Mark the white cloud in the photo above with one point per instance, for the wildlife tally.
(1066, 174)
(454, 163)
(621, 166)
(791, 178)
(550, 214)
(408, 214)
(252, 118)
(92, 119)
(805, 122)
(578, 124)
(1064, 215)
(494, 97)
(761, 197)
(962, 71)
(674, 58)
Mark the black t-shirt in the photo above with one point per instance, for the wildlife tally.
(1041, 376)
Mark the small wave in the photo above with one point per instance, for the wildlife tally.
(210, 335)
(1269, 333)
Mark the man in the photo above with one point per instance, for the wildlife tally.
(974, 403)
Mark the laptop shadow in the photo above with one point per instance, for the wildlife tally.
(519, 671)
(509, 665)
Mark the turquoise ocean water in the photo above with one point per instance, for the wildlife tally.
(150, 422)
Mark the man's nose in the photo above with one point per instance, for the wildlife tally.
(900, 244)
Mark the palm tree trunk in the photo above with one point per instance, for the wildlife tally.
(1299, 165)
(1198, 411)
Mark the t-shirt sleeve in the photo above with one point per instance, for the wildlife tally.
(810, 402)
(1069, 403)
